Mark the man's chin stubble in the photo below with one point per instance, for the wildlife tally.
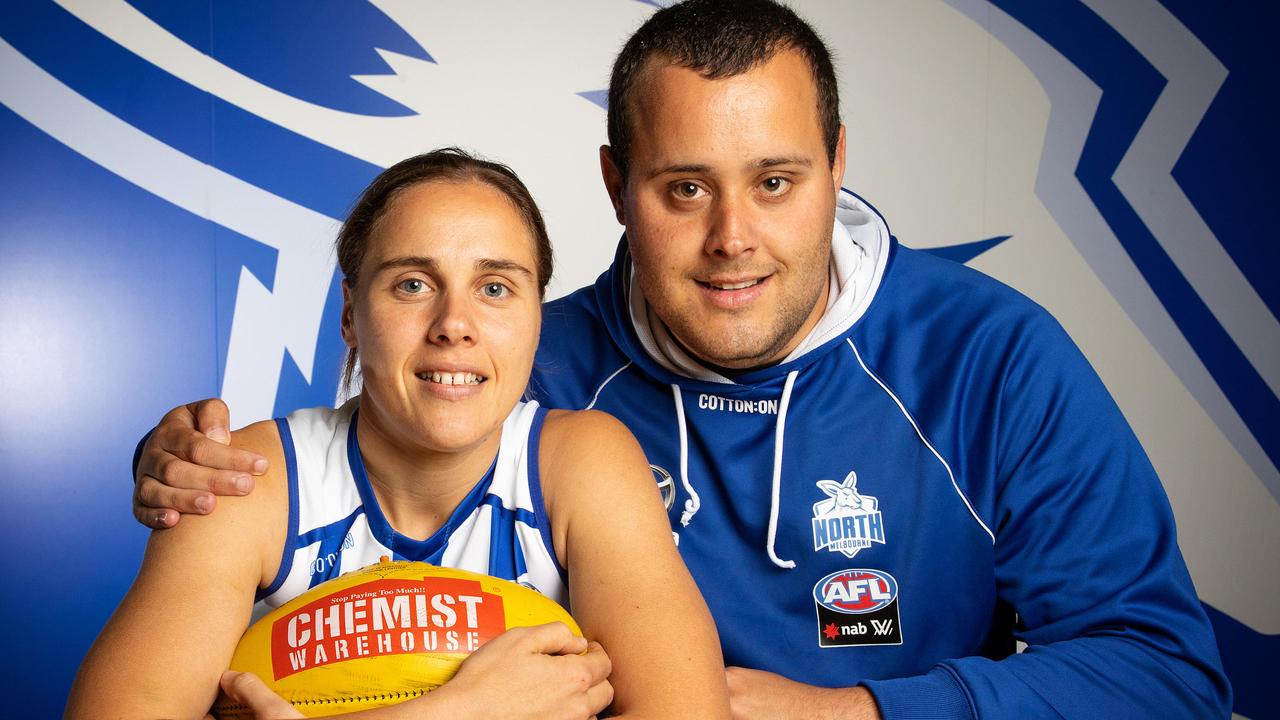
(730, 355)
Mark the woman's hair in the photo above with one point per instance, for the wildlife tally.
(444, 165)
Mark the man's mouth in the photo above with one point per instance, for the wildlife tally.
(739, 285)
(732, 293)
(451, 378)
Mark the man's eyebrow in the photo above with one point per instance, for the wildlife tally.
(685, 169)
(762, 163)
(784, 160)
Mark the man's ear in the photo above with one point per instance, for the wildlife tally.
(348, 322)
(613, 182)
(837, 164)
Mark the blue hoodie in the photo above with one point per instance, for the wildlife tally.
(934, 474)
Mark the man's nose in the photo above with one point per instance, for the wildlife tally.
(730, 233)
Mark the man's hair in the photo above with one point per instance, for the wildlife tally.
(444, 165)
(719, 38)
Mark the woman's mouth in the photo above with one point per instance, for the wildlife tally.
(450, 378)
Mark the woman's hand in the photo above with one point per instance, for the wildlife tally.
(248, 689)
(529, 672)
(543, 671)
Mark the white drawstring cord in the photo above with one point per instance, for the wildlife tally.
(693, 503)
(777, 472)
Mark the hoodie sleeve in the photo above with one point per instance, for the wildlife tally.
(1086, 553)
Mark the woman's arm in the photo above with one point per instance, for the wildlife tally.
(629, 588)
(526, 673)
(163, 650)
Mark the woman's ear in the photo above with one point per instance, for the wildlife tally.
(348, 319)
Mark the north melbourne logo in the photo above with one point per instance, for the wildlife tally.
(847, 521)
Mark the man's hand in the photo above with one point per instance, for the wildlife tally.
(248, 689)
(758, 694)
(532, 672)
(187, 461)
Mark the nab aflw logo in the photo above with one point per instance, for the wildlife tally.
(846, 521)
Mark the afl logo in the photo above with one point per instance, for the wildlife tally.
(856, 592)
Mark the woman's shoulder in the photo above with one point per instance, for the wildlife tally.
(271, 488)
(578, 447)
(304, 431)
(586, 420)
(583, 435)
(262, 437)
(592, 470)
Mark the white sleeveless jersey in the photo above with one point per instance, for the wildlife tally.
(335, 524)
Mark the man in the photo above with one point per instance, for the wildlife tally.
(886, 467)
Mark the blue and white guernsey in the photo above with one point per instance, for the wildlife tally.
(335, 524)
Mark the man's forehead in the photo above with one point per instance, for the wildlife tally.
(764, 117)
(660, 70)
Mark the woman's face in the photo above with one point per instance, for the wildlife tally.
(446, 315)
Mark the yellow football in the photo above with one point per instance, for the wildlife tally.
(381, 635)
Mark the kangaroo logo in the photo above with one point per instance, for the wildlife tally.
(847, 521)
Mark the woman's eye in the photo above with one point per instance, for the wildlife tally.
(775, 185)
(413, 286)
(494, 290)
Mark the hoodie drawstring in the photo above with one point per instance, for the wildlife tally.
(693, 503)
(777, 471)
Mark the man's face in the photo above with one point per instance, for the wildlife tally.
(729, 205)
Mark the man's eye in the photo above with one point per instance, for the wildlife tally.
(495, 290)
(688, 191)
(775, 185)
(413, 286)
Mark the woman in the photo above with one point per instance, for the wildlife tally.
(446, 260)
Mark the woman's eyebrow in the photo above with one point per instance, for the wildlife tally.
(491, 264)
(427, 263)
(407, 261)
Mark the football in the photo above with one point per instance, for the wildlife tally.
(380, 635)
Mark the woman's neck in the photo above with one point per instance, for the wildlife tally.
(418, 488)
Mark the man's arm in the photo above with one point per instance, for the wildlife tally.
(186, 461)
